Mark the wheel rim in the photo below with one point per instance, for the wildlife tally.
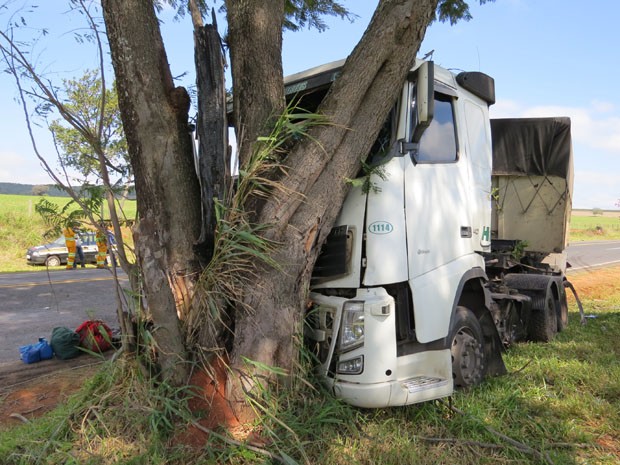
(467, 358)
(53, 261)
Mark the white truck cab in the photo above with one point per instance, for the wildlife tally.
(403, 309)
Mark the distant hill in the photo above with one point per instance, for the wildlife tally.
(31, 189)
(49, 190)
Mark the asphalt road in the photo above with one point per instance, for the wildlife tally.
(584, 255)
(32, 304)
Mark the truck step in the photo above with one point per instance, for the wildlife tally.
(421, 383)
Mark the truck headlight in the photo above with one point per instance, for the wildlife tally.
(352, 334)
(355, 366)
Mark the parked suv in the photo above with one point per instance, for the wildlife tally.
(55, 253)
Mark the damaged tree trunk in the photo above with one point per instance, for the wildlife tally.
(212, 130)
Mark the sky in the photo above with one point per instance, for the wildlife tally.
(548, 58)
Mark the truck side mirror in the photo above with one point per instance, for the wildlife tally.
(425, 100)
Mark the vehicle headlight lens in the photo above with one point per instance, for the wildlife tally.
(354, 366)
(35, 254)
(352, 334)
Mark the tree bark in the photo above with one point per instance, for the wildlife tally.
(255, 42)
(155, 119)
(213, 159)
(357, 106)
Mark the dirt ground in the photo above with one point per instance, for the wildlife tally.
(29, 391)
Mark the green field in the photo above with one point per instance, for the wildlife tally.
(21, 227)
(585, 226)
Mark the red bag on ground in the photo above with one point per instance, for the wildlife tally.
(95, 335)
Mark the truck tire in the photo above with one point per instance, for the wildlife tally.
(562, 310)
(468, 363)
(52, 261)
(543, 320)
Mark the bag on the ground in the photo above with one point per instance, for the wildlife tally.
(29, 354)
(45, 350)
(65, 343)
(33, 353)
(95, 335)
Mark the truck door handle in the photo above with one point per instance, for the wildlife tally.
(466, 231)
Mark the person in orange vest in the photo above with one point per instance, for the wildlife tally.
(69, 234)
(102, 245)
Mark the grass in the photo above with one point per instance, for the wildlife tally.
(588, 227)
(559, 404)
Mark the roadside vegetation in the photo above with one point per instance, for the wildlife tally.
(559, 404)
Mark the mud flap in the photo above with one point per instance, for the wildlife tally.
(493, 347)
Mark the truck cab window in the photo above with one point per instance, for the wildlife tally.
(380, 151)
(438, 143)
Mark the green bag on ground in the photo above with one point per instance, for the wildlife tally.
(65, 343)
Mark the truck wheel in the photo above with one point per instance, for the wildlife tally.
(468, 364)
(562, 310)
(52, 261)
(543, 320)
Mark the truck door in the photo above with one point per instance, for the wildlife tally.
(436, 194)
(439, 227)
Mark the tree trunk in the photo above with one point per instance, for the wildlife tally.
(213, 160)
(155, 119)
(357, 105)
(255, 42)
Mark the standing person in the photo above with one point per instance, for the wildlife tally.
(69, 234)
(102, 245)
(111, 244)
(79, 250)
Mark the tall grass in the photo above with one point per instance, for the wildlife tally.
(120, 416)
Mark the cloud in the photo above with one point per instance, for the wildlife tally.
(596, 126)
(21, 169)
(595, 189)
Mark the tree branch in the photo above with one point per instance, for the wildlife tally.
(521, 447)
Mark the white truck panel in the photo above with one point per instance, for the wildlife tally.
(434, 295)
(351, 214)
(477, 135)
(386, 235)
(437, 210)
(394, 392)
